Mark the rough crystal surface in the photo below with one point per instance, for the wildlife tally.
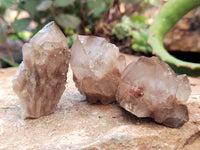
(150, 88)
(41, 78)
(97, 68)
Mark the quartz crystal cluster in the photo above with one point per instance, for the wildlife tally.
(150, 88)
(41, 78)
(147, 87)
(97, 68)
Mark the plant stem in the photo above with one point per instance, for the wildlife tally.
(171, 12)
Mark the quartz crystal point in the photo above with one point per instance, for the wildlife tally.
(97, 68)
(41, 78)
(150, 88)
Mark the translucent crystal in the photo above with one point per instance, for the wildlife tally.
(97, 68)
(150, 88)
(41, 78)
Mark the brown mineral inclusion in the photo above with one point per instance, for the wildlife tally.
(41, 78)
(97, 68)
(150, 88)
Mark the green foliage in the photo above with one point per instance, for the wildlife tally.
(171, 12)
(3, 29)
(73, 16)
(97, 7)
(140, 36)
(4, 4)
(9, 62)
(136, 27)
(68, 14)
(43, 6)
(68, 21)
(63, 3)
(138, 21)
(13, 37)
(30, 6)
(150, 1)
(139, 42)
(121, 31)
(21, 24)
(71, 39)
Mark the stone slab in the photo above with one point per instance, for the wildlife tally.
(76, 124)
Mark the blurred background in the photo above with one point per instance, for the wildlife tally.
(122, 22)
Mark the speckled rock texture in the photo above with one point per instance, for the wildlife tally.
(187, 32)
(97, 67)
(150, 88)
(41, 78)
(78, 125)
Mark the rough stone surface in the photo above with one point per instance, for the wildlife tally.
(97, 68)
(185, 31)
(150, 88)
(41, 78)
(76, 124)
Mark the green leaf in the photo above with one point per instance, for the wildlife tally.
(68, 31)
(96, 7)
(2, 10)
(31, 5)
(127, 21)
(138, 21)
(13, 37)
(9, 62)
(139, 42)
(3, 30)
(138, 18)
(62, 3)
(134, 21)
(6, 3)
(71, 39)
(25, 35)
(152, 2)
(21, 24)
(44, 5)
(68, 21)
(121, 31)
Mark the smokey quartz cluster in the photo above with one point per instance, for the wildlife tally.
(97, 67)
(41, 78)
(150, 88)
(147, 87)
